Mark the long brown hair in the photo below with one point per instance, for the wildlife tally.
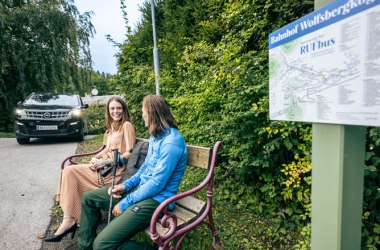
(159, 115)
(126, 114)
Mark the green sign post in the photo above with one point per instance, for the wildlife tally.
(337, 186)
(337, 183)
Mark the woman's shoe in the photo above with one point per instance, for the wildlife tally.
(58, 238)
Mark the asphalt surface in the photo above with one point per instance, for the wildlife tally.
(28, 183)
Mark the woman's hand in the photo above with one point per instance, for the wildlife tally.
(116, 210)
(93, 162)
(117, 191)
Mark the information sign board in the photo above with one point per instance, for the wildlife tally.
(325, 66)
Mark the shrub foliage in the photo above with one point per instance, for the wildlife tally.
(214, 73)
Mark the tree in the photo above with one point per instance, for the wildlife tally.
(44, 45)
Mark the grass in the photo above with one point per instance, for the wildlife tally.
(7, 135)
(239, 228)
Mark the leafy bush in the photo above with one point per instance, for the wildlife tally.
(371, 206)
(215, 77)
(96, 118)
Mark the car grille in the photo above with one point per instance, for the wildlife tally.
(47, 115)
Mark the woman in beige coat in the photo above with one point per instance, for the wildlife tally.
(77, 179)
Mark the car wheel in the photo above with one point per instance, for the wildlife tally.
(23, 140)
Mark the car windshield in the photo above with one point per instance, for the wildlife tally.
(52, 99)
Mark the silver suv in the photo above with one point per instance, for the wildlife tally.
(50, 115)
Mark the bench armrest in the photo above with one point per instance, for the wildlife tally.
(71, 157)
(169, 219)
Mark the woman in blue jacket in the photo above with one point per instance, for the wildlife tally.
(137, 198)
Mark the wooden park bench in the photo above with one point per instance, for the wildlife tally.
(168, 228)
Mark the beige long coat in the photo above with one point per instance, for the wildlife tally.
(76, 179)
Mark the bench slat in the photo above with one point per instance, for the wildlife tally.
(198, 156)
(182, 217)
(160, 229)
(192, 204)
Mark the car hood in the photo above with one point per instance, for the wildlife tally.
(48, 107)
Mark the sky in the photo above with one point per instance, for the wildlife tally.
(108, 19)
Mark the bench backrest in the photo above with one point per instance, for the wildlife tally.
(196, 156)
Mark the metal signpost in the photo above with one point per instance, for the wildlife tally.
(322, 70)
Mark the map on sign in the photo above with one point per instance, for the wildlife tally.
(325, 67)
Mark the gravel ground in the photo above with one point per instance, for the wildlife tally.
(67, 243)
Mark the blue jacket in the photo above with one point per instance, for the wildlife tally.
(161, 173)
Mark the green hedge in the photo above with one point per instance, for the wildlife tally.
(215, 76)
(96, 119)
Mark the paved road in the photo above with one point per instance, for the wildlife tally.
(28, 182)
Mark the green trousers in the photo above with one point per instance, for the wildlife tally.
(117, 234)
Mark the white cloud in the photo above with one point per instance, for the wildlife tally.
(108, 19)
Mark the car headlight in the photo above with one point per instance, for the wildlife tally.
(75, 112)
(20, 112)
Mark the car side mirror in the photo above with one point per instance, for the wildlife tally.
(85, 106)
(19, 103)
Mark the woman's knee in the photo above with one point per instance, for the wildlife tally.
(98, 196)
(87, 197)
(68, 171)
(101, 243)
(97, 244)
